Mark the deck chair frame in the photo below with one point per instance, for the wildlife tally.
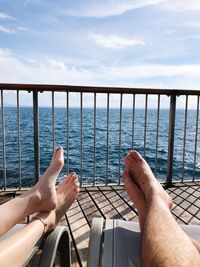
(116, 243)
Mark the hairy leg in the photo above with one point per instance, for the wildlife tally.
(42, 197)
(164, 243)
(15, 249)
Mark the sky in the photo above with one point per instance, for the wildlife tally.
(138, 43)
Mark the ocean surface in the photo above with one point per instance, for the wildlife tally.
(128, 142)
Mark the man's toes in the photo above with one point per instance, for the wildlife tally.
(135, 155)
(127, 180)
(124, 173)
(129, 162)
(129, 156)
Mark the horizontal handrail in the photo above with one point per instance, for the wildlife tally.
(96, 89)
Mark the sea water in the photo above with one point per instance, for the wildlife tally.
(127, 138)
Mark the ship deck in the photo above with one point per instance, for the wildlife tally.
(112, 202)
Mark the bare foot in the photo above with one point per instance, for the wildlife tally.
(43, 195)
(143, 177)
(136, 196)
(66, 194)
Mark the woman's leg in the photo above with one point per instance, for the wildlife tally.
(15, 249)
(42, 197)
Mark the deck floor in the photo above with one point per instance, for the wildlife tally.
(113, 202)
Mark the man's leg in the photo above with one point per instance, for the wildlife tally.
(164, 243)
(15, 249)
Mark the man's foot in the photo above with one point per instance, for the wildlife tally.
(43, 195)
(143, 177)
(136, 196)
(66, 194)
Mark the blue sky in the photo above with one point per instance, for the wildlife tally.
(143, 43)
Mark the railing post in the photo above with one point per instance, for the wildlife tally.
(3, 140)
(171, 140)
(36, 136)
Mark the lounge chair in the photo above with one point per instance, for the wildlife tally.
(56, 241)
(116, 243)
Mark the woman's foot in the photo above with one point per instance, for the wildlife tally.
(140, 172)
(66, 194)
(43, 195)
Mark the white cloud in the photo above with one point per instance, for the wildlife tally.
(156, 71)
(182, 5)
(30, 60)
(14, 70)
(53, 72)
(191, 24)
(5, 29)
(4, 53)
(56, 72)
(23, 29)
(56, 64)
(13, 30)
(115, 41)
(33, 2)
(109, 7)
(170, 31)
(5, 16)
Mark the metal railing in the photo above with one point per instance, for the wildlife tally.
(165, 158)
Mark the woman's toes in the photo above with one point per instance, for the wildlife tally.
(76, 187)
(72, 177)
(60, 157)
(57, 152)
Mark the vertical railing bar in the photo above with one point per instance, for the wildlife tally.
(19, 141)
(81, 139)
(145, 124)
(172, 118)
(4, 143)
(53, 121)
(120, 130)
(107, 136)
(184, 139)
(133, 121)
(196, 138)
(67, 103)
(94, 171)
(157, 134)
(36, 135)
